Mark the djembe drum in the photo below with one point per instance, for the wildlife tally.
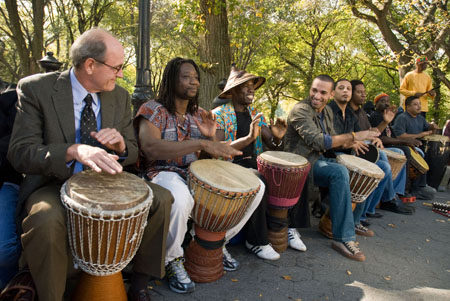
(106, 217)
(437, 154)
(222, 193)
(417, 165)
(396, 161)
(364, 178)
(285, 174)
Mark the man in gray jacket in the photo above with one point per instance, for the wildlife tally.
(311, 134)
(47, 145)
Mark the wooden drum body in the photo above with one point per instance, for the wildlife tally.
(396, 161)
(106, 218)
(222, 193)
(437, 154)
(364, 178)
(285, 174)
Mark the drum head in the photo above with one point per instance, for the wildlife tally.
(284, 159)
(224, 175)
(439, 138)
(395, 155)
(418, 161)
(107, 192)
(371, 155)
(360, 166)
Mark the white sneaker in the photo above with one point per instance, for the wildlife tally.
(295, 241)
(264, 252)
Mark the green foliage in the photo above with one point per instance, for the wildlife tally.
(288, 42)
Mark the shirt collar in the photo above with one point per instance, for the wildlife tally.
(78, 91)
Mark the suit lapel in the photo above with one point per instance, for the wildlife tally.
(106, 103)
(63, 103)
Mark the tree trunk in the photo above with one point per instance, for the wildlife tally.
(437, 98)
(214, 50)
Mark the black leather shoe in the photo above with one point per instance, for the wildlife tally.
(142, 295)
(374, 215)
(392, 206)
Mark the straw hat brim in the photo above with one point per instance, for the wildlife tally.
(258, 82)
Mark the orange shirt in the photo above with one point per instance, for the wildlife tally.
(415, 82)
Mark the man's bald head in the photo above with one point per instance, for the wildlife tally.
(91, 44)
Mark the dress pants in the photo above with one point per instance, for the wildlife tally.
(45, 244)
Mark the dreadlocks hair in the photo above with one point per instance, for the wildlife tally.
(166, 93)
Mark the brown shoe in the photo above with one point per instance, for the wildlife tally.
(349, 249)
(325, 226)
(363, 231)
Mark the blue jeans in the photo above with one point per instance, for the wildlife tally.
(400, 181)
(328, 173)
(9, 241)
(385, 188)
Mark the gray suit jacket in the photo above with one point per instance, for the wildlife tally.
(45, 127)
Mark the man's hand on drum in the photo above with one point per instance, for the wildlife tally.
(220, 149)
(423, 134)
(255, 128)
(360, 147)
(279, 128)
(377, 142)
(208, 125)
(111, 138)
(367, 135)
(411, 142)
(94, 157)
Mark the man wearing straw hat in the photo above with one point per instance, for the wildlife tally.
(418, 83)
(238, 121)
(172, 132)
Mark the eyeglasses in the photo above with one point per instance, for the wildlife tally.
(117, 68)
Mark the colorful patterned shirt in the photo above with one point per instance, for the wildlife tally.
(171, 130)
(226, 121)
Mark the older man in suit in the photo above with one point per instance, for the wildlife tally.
(50, 142)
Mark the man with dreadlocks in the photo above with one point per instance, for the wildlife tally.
(172, 131)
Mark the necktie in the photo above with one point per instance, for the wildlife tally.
(88, 123)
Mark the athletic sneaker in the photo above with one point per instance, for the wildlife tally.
(229, 263)
(264, 252)
(361, 230)
(295, 241)
(179, 280)
(349, 249)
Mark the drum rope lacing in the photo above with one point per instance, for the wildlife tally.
(292, 178)
(207, 206)
(126, 224)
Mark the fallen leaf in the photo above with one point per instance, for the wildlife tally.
(427, 240)
(150, 287)
(440, 220)
(448, 271)
(157, 282)
(392, 225)
(349, 273)
(387, 278)
(298, 299)
(287, 277)
(260, 295)
(234, 280)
